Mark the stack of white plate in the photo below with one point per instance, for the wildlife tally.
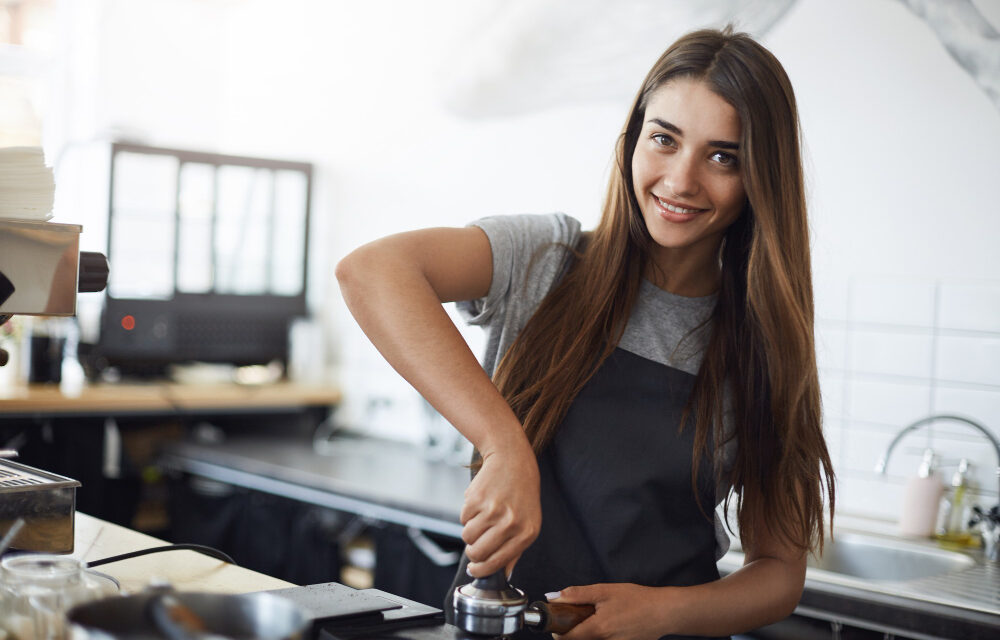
(27, 187)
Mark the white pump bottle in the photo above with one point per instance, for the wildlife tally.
(921, 499)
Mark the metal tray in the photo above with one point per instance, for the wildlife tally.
(46, 501)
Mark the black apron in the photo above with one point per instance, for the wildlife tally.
(616, 495)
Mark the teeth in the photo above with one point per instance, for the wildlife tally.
(670, 207)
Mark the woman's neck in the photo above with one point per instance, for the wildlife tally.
(690, 276)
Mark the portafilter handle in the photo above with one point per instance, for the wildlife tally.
(556, 617)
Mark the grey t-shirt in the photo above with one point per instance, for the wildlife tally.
(530, 253)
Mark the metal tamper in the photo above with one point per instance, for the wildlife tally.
(490, 606)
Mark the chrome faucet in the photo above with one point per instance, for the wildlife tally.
(988, 520)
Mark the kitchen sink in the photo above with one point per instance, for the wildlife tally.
(886, 581)
(873, 558)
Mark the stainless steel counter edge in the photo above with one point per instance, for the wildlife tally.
(383, 480)
(898, 595)
(309, 495)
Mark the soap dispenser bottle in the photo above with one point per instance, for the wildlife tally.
(952, 529)
(921, 499)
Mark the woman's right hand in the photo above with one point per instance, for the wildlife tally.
(395, 287)
(502, 514)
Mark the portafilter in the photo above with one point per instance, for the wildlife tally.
(490, 606)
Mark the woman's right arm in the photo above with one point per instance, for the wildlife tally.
(395, 288)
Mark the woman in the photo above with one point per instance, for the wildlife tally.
(639, 371)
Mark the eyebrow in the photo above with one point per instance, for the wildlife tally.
(722, 144)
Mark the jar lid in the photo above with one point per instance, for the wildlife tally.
(43, 567)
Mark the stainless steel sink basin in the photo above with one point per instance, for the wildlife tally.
(873, 558)
(874, 566)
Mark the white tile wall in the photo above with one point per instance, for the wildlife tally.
(971, 359)
(979, 404)
(830, 297)
(972, 306)
(914, 348)
(895, 301)
(834, 434)
(831, 346)
(889, 402)
(864, 446)
(870, 496)
(907, 353)
(831, 387)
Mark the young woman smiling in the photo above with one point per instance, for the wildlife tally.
(638, 375)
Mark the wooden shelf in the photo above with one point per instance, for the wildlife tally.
(164, 398)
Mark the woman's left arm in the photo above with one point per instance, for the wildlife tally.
(766, 589)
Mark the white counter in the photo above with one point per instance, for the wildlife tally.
(186, 570)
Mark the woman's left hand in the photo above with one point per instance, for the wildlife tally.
(622, 611)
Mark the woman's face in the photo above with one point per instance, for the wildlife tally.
(686, 172)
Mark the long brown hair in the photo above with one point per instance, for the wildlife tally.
(761, 353)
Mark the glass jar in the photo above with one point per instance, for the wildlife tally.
(37, 590)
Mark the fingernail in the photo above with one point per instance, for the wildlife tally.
(468, 572)
(552, 595)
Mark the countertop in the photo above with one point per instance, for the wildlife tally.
(191, 571)
(394, 482)
(96, 539)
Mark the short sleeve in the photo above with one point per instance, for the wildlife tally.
(516, 241)
(529, 254)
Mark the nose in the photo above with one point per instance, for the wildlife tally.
(681, 176)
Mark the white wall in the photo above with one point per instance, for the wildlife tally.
(899, 146)
(904, 213)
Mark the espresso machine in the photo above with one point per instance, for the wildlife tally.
(41, 271)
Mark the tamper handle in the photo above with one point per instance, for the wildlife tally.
(558, 617)
(493, 582)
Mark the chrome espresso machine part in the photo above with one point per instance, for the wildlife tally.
(490, 606)
(45, 501)
(41, 271)
(42, 268)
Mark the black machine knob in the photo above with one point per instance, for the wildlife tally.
(6, 288)
(93, 272)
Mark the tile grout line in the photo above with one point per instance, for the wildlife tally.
(935, 334)
(845, 420)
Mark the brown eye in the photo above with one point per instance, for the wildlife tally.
(725, 159)
(663, 140)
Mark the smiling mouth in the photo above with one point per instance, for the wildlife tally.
(673, 208)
